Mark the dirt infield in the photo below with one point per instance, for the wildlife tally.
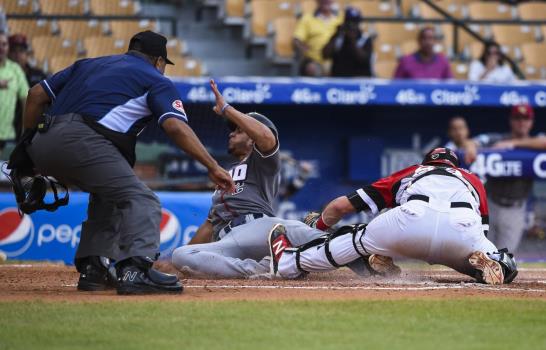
(50, 282)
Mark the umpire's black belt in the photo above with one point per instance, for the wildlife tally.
(241, 220)
(420, 197)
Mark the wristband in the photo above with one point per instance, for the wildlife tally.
(226, 105)
(321, 225)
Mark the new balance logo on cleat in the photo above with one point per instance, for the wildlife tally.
(130, 276)
(278, 243)
(278, 246)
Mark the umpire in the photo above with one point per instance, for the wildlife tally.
(98, 107)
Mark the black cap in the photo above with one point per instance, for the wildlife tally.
(152, 44)
(441, 155)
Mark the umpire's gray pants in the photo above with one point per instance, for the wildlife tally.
(123, 215)
(240, 253)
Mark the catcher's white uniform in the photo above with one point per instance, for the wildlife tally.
(439, 215)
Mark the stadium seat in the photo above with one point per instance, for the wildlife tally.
(464, 38)
(19, 7)
(489, 10)
(234, 12)
(77, 30)
(375, 8)
(385, 69)
(408, 7)
(513, 34)
(44, 47)
(30, 27)
(411, 46)
(62, 7)
(532, 11)
(59, 62)
(531, 72)
(453, 8)
(176, 48)
(283, 51)
(114, 7)
(459, 70)
(308, 6)
(262, 13)
(385, 51)
(185, 67)
(534, 54)
(396, 33)
(126, 29)
(103, 46)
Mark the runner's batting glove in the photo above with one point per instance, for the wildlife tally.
(314, 219)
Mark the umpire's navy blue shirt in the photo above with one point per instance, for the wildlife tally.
(121, 92)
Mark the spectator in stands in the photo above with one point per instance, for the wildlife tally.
(425, 63)
(491, 67)
(13, 88)
(19, 53)
(349, 48)
(312, 33)
(507, 196)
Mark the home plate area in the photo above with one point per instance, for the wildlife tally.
(58, 282)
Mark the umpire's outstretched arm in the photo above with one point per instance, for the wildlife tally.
(185, 138)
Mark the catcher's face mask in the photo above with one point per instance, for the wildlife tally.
(30, 192)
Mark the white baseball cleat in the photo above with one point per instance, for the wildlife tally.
(383, 265)
(489, 271)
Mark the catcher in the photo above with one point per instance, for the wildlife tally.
(439, 216)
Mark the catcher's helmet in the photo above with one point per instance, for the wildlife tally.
(259, 117)
(441, 155)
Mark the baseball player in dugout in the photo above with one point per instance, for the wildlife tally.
(232, 242)
(508, 195)
(97, 108)
(439, 215)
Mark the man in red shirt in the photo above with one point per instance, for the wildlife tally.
(439, 215)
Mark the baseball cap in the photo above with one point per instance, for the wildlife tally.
(441, 155)
(522, 110)
(352, 14)
(152, 44)
(18, 40)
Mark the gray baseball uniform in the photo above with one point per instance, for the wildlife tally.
(241, 223)
(257, 179)
(507, 199)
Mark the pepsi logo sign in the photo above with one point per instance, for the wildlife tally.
(170, 232)
(16, 232)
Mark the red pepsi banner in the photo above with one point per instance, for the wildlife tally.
(55, 236)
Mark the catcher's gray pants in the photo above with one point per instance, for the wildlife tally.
(506, 224)
(241, 252)
(123, 215)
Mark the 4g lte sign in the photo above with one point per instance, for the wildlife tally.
(516, 163)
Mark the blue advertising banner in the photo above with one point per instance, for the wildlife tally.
(336, 91)
(513, 163)
(55, 236)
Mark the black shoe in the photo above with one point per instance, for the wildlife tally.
(136, 276)
(96, 274)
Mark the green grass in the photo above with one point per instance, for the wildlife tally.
(398, 324)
